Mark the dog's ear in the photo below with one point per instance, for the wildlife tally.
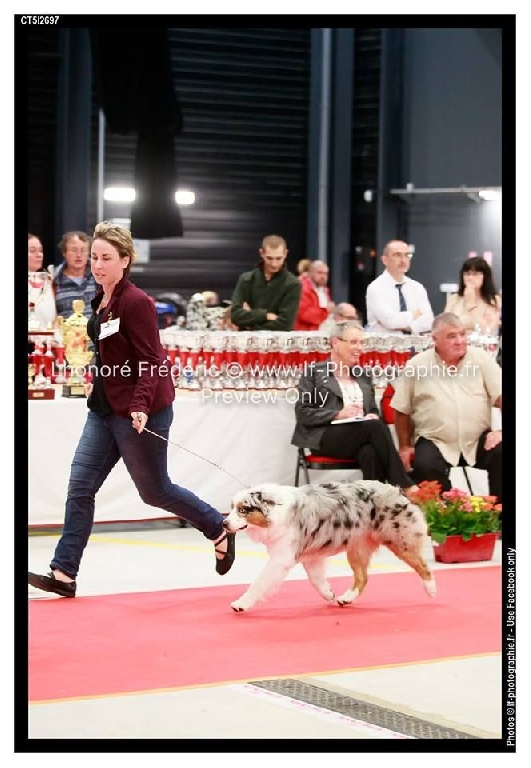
(259, 501)
(267, 499)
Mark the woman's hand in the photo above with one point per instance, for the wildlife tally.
(139, 420)
(349, 412)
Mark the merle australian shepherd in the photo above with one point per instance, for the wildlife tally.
(308, 524)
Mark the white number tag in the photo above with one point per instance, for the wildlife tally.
(108, 328)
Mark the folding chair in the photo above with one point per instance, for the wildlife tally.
(307, 461)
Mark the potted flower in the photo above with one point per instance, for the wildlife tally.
(463, 528)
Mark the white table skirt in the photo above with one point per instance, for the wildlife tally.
(250, 439)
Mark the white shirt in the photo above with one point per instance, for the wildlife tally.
(322, 295)
(383, 308)
(351, 392)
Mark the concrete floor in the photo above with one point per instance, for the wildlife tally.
(459, 693)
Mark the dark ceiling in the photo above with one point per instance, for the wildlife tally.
(243, 149)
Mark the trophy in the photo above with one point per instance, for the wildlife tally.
(77, 353)
(38, 384)
(41, 301)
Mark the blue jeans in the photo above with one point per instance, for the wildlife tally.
(104, 440)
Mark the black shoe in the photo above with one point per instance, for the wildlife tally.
(224, 564)
(50, 584)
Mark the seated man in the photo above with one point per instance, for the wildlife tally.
(337, 389)
(267, 298)
(443, 402)
(341, 312)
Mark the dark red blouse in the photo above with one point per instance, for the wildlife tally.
(135, 369)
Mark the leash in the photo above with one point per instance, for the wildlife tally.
(197, 455)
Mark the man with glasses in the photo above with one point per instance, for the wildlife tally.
(395, 302)
(73, 278)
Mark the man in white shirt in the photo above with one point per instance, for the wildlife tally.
(396, 303)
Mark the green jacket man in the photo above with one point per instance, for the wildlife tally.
(267, 297)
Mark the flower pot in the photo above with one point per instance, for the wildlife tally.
(456, 550)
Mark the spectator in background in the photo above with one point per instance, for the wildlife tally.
(40, 290)
(316, 303)
(341, 313)
(267, 297)
(302, 266)
(477, 303)
(73, 278)
(443, 408)
(395, 303)
(334, 392)
(35, 253)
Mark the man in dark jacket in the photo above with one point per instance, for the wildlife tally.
(267, 298)
(337, 415)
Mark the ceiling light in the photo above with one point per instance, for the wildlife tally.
(119, 194)
(128, 195)
(490, 194)
(184, 197)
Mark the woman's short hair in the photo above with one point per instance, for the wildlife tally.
(339, 328)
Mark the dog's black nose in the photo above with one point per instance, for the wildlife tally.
(225, 525)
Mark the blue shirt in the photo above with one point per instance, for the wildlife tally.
(68, 290)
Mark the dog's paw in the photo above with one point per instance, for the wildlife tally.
(238, 606)
(430, 587)
(348, 597)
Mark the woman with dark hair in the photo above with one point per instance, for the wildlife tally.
(477, 303)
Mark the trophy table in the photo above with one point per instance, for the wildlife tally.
(76, 351)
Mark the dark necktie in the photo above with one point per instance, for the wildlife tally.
(401, 299)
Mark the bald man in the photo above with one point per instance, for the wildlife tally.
(395, 302)
(342, 312)
(315, 304)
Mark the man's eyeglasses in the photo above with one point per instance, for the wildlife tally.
(353, 342)
(398, 255)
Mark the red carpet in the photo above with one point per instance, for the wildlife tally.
(135, 642)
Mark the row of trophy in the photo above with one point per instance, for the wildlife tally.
(270, 360)
(209, 359)
(276, 360)
(60, 355)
